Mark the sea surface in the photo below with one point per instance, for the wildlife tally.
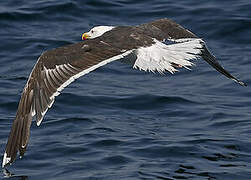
(118, 123)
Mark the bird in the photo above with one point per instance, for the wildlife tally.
(159, 46)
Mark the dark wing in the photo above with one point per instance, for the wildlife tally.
(54, 70)
(163, 29)
(166, 29)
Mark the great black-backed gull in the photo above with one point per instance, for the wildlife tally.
(57, 68)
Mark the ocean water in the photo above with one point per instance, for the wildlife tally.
(120, 123)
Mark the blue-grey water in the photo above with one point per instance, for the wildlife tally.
(119, 123)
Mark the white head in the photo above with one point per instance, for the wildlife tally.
(96, 32)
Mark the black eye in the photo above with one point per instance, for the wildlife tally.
(92, 31)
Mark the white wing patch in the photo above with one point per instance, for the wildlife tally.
(161, 57)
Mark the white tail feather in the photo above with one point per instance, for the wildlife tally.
(161, 57)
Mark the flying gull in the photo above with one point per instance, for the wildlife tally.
(159, 46)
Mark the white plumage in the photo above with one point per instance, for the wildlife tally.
(161, 57)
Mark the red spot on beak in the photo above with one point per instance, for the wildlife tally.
(85, 36)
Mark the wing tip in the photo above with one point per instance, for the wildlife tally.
(6, 160)
(240, 82)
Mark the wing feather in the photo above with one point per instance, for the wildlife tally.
(166, 29)
(57, 68)
(44, 84)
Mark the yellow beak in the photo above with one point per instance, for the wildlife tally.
(85, 36)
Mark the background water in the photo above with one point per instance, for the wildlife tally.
(118, 123)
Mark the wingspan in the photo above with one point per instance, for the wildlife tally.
(57, 68)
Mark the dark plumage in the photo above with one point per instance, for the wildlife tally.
(57, 68)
